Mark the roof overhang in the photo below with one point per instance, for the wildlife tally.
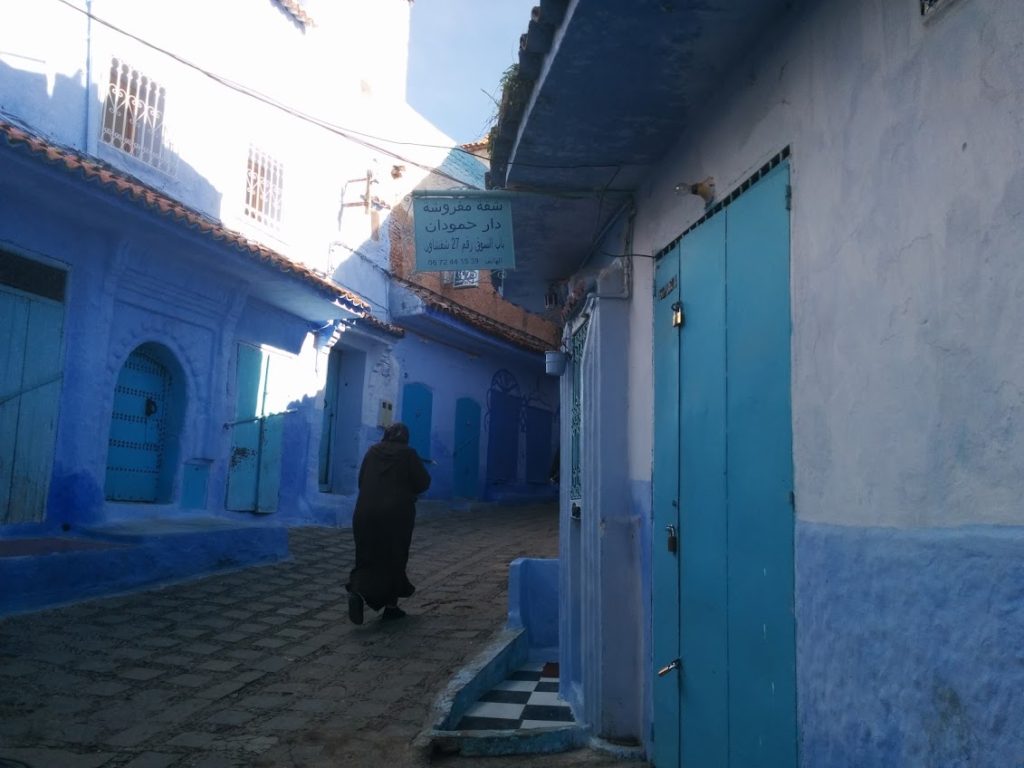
(417, 309)
(37, 169)
(608, 91)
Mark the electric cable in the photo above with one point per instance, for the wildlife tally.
(349, 133)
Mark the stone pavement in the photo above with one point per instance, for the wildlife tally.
(261, 668)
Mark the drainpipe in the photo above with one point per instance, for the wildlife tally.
(88, 75)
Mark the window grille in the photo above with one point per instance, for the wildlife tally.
(134, 117)
(264, 188)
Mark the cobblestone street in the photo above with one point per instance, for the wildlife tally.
(261, 667)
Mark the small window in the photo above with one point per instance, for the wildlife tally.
(463, 278)
(264, 188)
(134, 117)
(31, 276)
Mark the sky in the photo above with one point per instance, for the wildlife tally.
(458, 50)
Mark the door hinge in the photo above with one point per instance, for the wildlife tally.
(678, 316)
(789, 197)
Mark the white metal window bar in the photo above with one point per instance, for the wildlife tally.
(264, 188)
(134, 117)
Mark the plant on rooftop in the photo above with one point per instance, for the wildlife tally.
(513, 97)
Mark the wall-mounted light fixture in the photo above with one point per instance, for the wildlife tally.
(704, 189)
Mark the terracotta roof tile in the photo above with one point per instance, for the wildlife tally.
(95, 171)
(380, 325)
(475, 319)
(295, 9)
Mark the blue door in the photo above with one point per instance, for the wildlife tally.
(703, 602)
(759, 457)
(138, 429)
(254, 466)
(30, 383)
(417, 408)
(729, 697)
(243, 464)
(503, 404)
(538, 444)
(665, 561)
(467, 448)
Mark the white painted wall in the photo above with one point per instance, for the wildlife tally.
(347, 73)
(908, 195)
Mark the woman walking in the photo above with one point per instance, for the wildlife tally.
(391, 476)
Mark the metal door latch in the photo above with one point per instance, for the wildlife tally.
(677, 664)
(673, 539)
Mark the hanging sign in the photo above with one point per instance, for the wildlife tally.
(463, 230)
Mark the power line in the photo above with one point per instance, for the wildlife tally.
(344, 132)
(348, 133)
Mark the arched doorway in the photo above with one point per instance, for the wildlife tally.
(145, 426)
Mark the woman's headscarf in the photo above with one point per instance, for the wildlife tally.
(396, 433)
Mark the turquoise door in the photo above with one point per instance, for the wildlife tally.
(729, 700)
(759, 458)
(665, 562)
(138, 429)
(467, 448)
(254, 466)
(31, 361)
(417, 415)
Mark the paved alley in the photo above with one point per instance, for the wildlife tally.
(261, 667)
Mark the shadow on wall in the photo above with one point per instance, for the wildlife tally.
(72, 115)
(55, 110)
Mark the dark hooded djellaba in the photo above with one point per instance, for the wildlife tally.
(391, 476)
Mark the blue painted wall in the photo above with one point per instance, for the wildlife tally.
(135, 278)
(642, 494)
(533, 604)
(911, 646)
(451, 374)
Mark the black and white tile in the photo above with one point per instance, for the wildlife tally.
(528, 699)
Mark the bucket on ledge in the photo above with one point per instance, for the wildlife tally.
(554, 362)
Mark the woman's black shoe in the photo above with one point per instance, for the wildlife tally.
(355, 608)
(392, 612)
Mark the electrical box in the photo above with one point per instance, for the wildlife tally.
(386, 415)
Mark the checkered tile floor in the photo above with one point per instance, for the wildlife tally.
(528, 699)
